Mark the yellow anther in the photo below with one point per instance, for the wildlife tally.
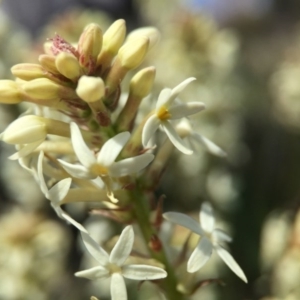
(163, 113)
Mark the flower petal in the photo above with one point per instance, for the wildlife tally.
(208, 144)
(231, 263)
(130, 165)
(77, 171)
(184, 220)
(185, 109)
(41, 178)
(82, 151)
(163, 98)
(118, 287)
(59, 191)
(59, 211)
(149, 129)
(69, 219)
(123, 247)
(207, 219)
(93, 273)
(220, 236)
(143, 272)
(200, 255)
(112, 148)
(25, 150)
(95, 250)
(178, 89)
(175, 138)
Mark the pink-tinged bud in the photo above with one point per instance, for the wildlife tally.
(68, 65)
(25, 130)
(132, 53)
(9, 92)
(61, 45)
(90, 89)
(89, 45)
(28, 71)
(45, 89)
(150, 32)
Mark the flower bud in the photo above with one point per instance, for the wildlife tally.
(114, 36)
(133, 52)
(90, 44)
(48, 63)
(150, 32)
(45, 89)
(27, 71)
(142, 82)
(113, 39)
(9, 92)
(90, 89)
(47, 47)
(25, 130)
(140, 87)
(67, 64)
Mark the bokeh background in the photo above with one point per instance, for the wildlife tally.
(245, 55)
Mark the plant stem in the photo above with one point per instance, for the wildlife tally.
(141, 211)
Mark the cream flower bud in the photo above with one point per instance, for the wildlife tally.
(9, 92)
(114, 36)
(48, 62)
(27, 71)
(150, 32)
(133, 52)
(25, 130)
(90, 89)
(90, 43)
(68, 65)
(45, 89)
(142, 82)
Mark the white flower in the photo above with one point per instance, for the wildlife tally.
(56, 194)
(211, 239)
(104, 165)
(113, 264)
(193, 138)
(165, 111)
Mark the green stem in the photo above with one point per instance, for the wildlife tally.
(141, 211)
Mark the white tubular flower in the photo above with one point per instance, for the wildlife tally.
(104, 165)
(211, 239)
(113, 265)
(56, 194)
(193, 138)
(167, 110)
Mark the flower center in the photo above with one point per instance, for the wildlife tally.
(113, 268)
(99, 170)
(163, 113)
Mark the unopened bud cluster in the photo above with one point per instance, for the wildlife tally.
(83, 81)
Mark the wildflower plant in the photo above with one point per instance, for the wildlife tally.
(80, 150)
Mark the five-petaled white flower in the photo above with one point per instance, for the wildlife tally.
(114, 265)
(104, 165)
(167, 110)
(211, 239)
